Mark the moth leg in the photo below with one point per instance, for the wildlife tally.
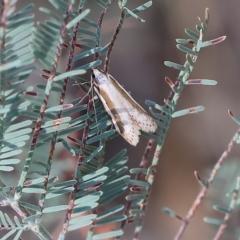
(77, 84)
(95, 113)
(87, 94)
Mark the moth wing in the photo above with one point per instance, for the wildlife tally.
(139, 116)
(143, 120)
(121, 120)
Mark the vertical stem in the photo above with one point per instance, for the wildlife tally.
(114, 37)
(37, 127)
(204, 190)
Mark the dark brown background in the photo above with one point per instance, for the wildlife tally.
(194, 142)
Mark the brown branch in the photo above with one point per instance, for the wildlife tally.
(206, 186)
(228, 215)
(103, 13)
(114, 37)
(138, 176)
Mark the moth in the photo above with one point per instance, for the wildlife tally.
(127, 116)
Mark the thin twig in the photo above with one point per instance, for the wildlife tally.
(77, 175)
(61, 101)
(143, 164)
(103, 13)
(39, 121)
(206, 186)
(176, 89)
(228, 215)
(114, 37)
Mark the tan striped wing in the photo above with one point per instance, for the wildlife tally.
(127, 115)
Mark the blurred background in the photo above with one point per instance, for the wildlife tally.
(194, 142)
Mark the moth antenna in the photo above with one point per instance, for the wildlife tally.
(81, 99)
(76, 83)
(87, 94)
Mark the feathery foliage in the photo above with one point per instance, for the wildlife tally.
(55, 120)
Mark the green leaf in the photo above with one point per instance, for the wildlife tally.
(72, 129)
(67, 112)
(9, 161)
(55, 209)
(110, 212)
(188, 111)
(17, 133)
(54, 88)
(95, 174)
(138, 170)
(150, 136)
(201, 82)
(79, 120)
(87, 32)
(18, 125)
(84, 208)
(3, 219)
(101, 136)
(54, 123)
(211, 42)
(169, 212)
(10, 153)
(138, 183)
(78, 18)
(112, 194)
(90, 65)
(6, 168)
(17, 222)
(134, 15)
(30, 206)
(34, 181)
(176, 66)
(59, 192)
(9, 220)
(113, 219)
(92, 182)
(86, 53)
(192, 34)
(116, 158)
(136, 211)
(184, 41)
(31, 218)
(186, 50)
(107, 235)
(69, 74)
(136, 196)
(63, 184)
(51, 13)
(140, 8)
(213, 221)
(89, 158)
(99, 127)
(82, 219)
(67, 146)
(222, 209)
(90, 22)
(33, 190)
(8, 234)
(104, 49)
(19, 233)
(12, 147)
(101, 3)
(10, 65)
(63, 126)
(79, 225)
(88, 199)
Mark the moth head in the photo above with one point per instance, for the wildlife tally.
(100, 76)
